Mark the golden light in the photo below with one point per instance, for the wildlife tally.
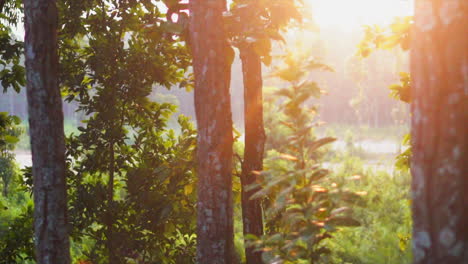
(353, 14)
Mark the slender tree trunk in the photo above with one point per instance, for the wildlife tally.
(46, 130)
(113, 258)
(254, 146)
(214, 121)
(439, 68)
(2, 4)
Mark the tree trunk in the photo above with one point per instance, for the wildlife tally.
(439, 68)
(214, 121)
(254, 146)
(46, 130)
(113, 258)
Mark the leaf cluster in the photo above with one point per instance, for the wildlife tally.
(12, 72)
(16, 245)
(9, 133)
(376, 37)
(257, 23)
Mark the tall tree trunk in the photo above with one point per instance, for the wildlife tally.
(46, 130)
(254, 146)
(439, 68)
(214, 121)
(113, 258)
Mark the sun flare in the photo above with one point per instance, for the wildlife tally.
(350, 14)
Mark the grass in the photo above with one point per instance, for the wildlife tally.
(385, 232)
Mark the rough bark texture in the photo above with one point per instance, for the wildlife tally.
(214, 122)
(439, 68)
(46, 130)
(254, 146)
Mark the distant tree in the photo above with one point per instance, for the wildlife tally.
(254, 145)
(131, 176)
(439, 131)
(212, 57)
(252, 26)
(47, 133)
(12, 73)
(247, 20)
(9, 136)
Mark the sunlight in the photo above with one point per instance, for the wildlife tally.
(352, 14)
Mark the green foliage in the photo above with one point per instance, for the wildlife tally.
(303, 207)
(16, 208)
(10, 11)
(403, 159)
(129, 175)
(281, 119)
(397, 34)
(258, 23)
(9, 137)
(16, 245)
(9, 133)
(376, 37)
(402, 91)
(12, 72)
(385, 215)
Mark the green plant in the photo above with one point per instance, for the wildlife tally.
(9, 137)
(303, 207)
(16, 245)
(385, 215)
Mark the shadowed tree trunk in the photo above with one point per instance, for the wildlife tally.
(439, 68)
(254, 146)
(46, 131)
(214, 122)
(2, 4)
(113, 258)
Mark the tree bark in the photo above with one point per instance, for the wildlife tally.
(439, 68)
(2, 5)
(47, 134)
(214, 121)
(254, 146)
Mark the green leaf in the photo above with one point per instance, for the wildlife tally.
(11, 139)
(188, 189)
(321, 142)
(16, 120)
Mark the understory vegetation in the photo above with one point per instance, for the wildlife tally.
(322, 204)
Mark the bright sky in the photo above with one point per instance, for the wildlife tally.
(352, 14)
